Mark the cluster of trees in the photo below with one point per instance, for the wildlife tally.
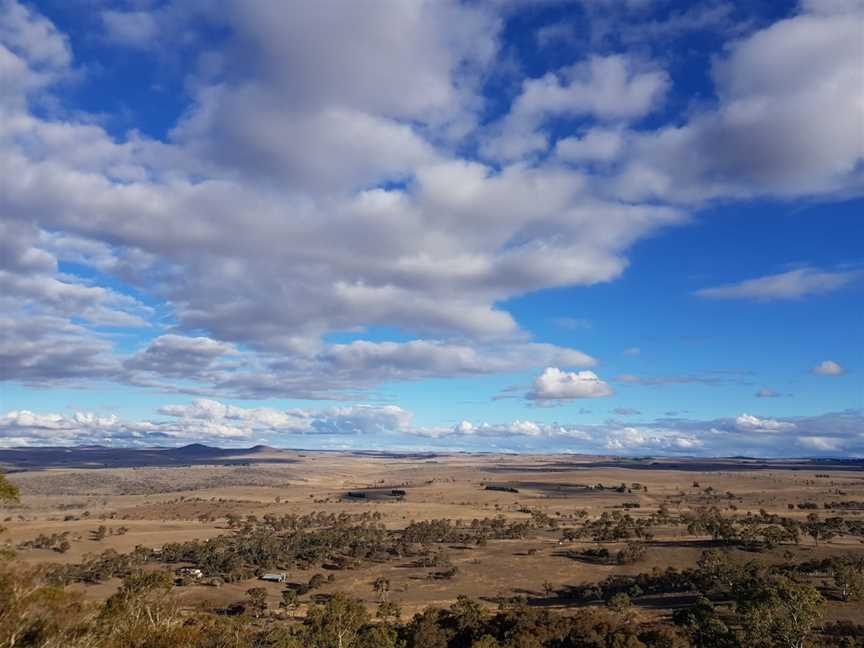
(612, 527)
(59, 542)
(754, 531)
(99, 533)
(763, 606)
(96, 568)
(769, 605)
(495, 528)
(780, 612)
(283, 543)
(631, 553)
(297, 522)
(847, 573)
(849, 505)
(805, 506)
(767, 530)
(621, 488)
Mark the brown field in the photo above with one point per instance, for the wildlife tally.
(162, 504)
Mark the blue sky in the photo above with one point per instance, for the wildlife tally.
(578, 226)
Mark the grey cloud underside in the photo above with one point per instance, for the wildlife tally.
(333, 371)
(835, 433)
(49, 351)
(258, 225)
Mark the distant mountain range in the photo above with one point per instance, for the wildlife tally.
(97, 456)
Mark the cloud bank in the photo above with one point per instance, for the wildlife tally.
(363, 426)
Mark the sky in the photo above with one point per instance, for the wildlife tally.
(627, 227)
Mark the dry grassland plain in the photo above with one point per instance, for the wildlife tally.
(151, 506)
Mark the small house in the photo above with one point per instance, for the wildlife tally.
(190, 572)
(275, 578)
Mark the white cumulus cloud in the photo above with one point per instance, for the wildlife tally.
(829, 368)
(750, 423)
(557, 385)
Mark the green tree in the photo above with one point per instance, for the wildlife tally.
(704, 626)
(717, 570)
(620, 602)
(382, 588)
(337, 624)
(631, 553)
(468, 615)
(289, 599)
(849, 581)
(818, 529)
(782, 612)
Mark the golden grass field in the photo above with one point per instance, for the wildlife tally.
(159, 505)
